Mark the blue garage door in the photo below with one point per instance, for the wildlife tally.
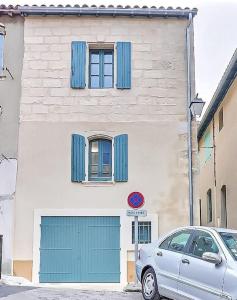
(80, 249)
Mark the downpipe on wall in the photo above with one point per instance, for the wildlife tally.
(189, 31)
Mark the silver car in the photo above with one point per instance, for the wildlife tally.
(195, 263)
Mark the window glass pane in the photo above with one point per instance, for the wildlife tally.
(94, 158)
(108, 69)
(179, 241)
(106, 158)
(95, 69)
(95, 57)
(95, 82)
(107, 150)
(100, 159)
(230, 240)
(108, 58)
(203, 243)
(94, 169)
(106, 169)
(108, 81)
(95, 146)
(165, 243)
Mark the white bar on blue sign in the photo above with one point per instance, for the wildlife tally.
(136, 213)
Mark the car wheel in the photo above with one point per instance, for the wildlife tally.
(149, 286)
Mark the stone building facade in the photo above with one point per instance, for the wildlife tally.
(66, 177)
(217, 140)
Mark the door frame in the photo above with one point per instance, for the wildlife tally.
(125, 241)
(38, 213)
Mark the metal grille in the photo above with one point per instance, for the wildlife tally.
(144, 232)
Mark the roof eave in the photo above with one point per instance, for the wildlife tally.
(222, 89)
(90, 11)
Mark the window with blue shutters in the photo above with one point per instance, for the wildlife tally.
(101, 66)
(101, 69)
(100, 160)
(107, 158)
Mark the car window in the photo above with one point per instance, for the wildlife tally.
(203, 242)
(165, 243)
(179, 241)
(230, 240)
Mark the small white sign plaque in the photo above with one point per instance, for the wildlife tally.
(136, 213)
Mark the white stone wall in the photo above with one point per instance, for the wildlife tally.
(158, 70)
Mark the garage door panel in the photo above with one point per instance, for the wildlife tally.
(106, 262)
(56, 277)
(57, 236)
(105, 236)
(80, 249)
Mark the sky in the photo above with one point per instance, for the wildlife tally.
(215, 34)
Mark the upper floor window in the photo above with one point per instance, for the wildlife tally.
(100, 160)
(207, 145)
(101, 69)
(221, 119)
(101, 65)
(209, 206)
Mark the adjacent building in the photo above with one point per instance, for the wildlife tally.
(217, 142)
(103, 113)
(11, 59)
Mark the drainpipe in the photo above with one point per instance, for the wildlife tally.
(189, 31)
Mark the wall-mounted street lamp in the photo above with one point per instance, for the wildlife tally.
(196, 106)
(195, 109)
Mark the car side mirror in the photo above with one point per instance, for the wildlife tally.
(211, 257)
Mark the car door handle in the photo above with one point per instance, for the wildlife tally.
(185, 261)
(159, 253)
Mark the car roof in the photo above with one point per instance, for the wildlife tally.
(225, 230)
(211, 229)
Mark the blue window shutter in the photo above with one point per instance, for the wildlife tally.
(78, 158)
(121, 158)
(78, 65)
(123, 65)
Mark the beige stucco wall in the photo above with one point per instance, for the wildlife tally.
(226, 166)
(152, 113)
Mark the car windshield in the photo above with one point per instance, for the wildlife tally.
(230, 240)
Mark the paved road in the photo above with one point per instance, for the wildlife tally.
(29, 293)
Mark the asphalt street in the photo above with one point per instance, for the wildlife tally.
(29, 293)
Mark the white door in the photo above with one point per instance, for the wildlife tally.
(199, 279)
(168, 258)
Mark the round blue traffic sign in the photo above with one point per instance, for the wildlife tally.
(136, 200)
